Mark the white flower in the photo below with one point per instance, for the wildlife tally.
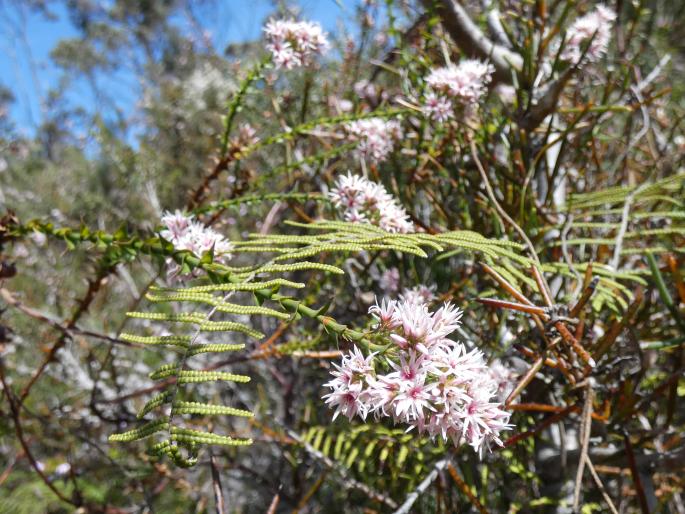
(247, 136)
(376, 137)
(365, 89)
(434, 385)
(437, 107)
(384, 313)
(293, 44)
(590, 34)
(390, 280)
(419, 294)
(455, 88)
(187, 234)
(504, 378)
(465, 82)
(63, 469)
(349, 385)
(363, 201)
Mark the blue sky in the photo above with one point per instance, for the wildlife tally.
(28, 37)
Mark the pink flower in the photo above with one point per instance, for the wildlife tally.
(434, 384)
(363, 201)
(437, 107)
(247, 136)
(384, 314)
(346, 401)
(589, 34)
(365, 89)
(409, 367)
(415, 323)
(376, 137)
(465, 82)
(382, 392)
(503, 377)
(455, 88)
(176, 224)
(412, 399)
(452, 360)
(419, 294)
(293, 44)
(186, 234)
(390, 280)
(357, 363)
(350, 393)
(446, 320)
(481, 424)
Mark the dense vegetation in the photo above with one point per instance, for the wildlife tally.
(429, 262)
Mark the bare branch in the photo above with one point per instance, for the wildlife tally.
(219, 500)
(425, 484)
(474, 42)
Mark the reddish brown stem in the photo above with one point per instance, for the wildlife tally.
(587, 294)
(523, 383)
(542, 286)
(464, 488)
(502, 304)
(639, 488)
(508, 287)
(541, 426)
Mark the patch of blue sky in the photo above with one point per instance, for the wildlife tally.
(29, 36)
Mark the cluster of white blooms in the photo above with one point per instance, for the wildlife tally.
(369, 92)
(504, 377)
(363, 201)
(455, 88)
(247, 136)
(376, 137)
(434, 384)
(294, 43)
(389, 281)
(420, 294)
(589, 34)
(187, 234)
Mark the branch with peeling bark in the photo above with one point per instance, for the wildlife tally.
(474, 42)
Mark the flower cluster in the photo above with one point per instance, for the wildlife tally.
(294, 43)
(420, 294)
(369, 92)
(455, 88)
(425, 380)
(376, 137)
(504, 377)
(589, 34)
(187, 234)
(389, 281)
(247, 136)
(363, 201)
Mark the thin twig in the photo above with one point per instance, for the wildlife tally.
(498, 207)
(464, 487)
(94, 285)
(585, 429)
(625, 218)
(414, 495)
(639, 488)
(15, 408)
(219, 500)
(600, 486)
(10, 299)
(274, 503)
